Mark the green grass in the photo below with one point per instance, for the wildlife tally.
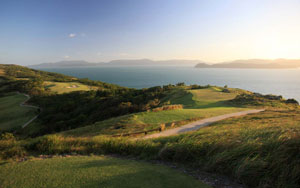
(92, 171)
(198, 104)
(65, 87)
(259, 150)
(12, 114)
(202, 98)
(148, 120)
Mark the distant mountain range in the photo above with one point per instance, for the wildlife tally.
(255, 64)
(239, 64)
(135, 62)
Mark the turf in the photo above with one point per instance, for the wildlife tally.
(65, 87)
(92, 171)
(12, 114)
(201, 98)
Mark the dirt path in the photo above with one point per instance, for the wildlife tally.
(201, 123)
(30, 106)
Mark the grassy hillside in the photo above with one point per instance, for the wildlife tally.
(259, 150)
(197, 104)
(12, 114)
(148, 120)
(65, 87)
(92, 172)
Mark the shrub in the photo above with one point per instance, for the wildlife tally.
(292, 101)
(52, 144)
(9, 147)
(180, 84)
(168, 107)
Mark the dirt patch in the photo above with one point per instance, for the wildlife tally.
(72, 86)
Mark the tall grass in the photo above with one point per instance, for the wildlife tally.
(259, 150)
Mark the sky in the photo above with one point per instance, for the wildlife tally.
(39, 31)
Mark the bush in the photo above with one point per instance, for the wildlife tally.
(168, 107)
(9, 147)
(50, 145)
(292, 101)
(180, 84)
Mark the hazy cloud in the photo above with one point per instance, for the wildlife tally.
(124, 54)
(72, 35)
(66, 57)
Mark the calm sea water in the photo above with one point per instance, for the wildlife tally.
(279, 82)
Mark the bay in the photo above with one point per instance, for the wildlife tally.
(285, 82)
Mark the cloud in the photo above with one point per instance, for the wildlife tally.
(99, 53)
(83, 35)
(124, 54)
(66, 57)
(72, 35)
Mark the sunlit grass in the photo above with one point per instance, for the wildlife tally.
(258, 149)
(65, 87)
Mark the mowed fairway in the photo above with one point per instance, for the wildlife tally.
(65, 87)
(13, 115)
(92, 171)
(201, 98)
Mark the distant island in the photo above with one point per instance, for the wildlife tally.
(122, 62)
(255, 64)
(237, 64)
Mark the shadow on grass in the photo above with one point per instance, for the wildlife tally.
(132, 174)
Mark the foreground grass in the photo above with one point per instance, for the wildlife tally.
(12, 114)
(92, 171)
(65, 87)
(259, 150)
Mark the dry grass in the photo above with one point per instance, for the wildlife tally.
(168, 107)
(2, 72)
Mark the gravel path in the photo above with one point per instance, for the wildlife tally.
(30, 106)
(201, 123)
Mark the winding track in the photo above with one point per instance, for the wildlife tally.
(201, 123)
(22, 104)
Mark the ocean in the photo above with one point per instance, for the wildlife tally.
(285, 82)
